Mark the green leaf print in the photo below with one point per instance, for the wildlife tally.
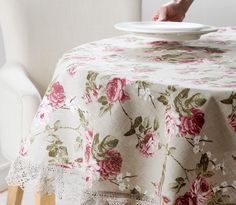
(137, 121)
(103, 100)
(228, 101)
(163, 99)
(219, 198)
(201, 168)
(184, 93)
(155, 125)
(195, 101)
(130, 132)
(57, 151)
(57, 125)
(99, 149)
(178, 184)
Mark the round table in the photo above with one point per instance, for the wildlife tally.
(128, 120)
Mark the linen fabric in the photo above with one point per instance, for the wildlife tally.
(129, 120)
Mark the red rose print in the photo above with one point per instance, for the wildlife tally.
(56, 95)
(201, 190)
(192, 124)
(232, 121)
(148, 145)
(163, 43)
(112, 166)
(115, 90)
(186, 199)
(213, 50)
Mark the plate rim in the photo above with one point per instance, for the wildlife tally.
(206, 29)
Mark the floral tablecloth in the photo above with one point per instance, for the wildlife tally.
(128, 120)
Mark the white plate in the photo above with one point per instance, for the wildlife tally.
(166, 30)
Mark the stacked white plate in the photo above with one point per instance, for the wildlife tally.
(166, 30)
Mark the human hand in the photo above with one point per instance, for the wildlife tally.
(173, 11)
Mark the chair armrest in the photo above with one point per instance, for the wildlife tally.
(14, 79)
(19, 101)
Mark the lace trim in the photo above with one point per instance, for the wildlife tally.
(111, 198)
(66, 184)
(46, 180)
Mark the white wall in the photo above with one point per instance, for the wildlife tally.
(211, 12)
(2, 56)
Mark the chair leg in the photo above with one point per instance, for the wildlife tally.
(15, 195)
(45, 199)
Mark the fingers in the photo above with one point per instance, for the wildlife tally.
(171, 11)
(156, 16)
(161, 15)
(177, 18)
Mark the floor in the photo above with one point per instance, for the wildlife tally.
(29, 199)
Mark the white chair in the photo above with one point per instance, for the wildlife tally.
(36, 33)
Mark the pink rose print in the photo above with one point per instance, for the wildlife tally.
(24, 147)
(87, 152)
(112, 166)
(89, 134)
(69, 165)
(41, 116)
(157, 189)
(191, 61)
(164, 199)
(56, 95)
(95, 91)
(23, 150)
(148, 145)
(156, 59)
(201, 190)
(72, 71)
(88, 146)
(114, 49)
(115, 90)
(172, 123)
(232, 121)
(43, 112)
(193, 124)
(144, 70)
(92, 173)
(186, 199)
(87, 98)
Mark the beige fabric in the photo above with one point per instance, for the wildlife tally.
(131, 121)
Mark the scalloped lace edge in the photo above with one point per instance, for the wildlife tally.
(66, 184)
